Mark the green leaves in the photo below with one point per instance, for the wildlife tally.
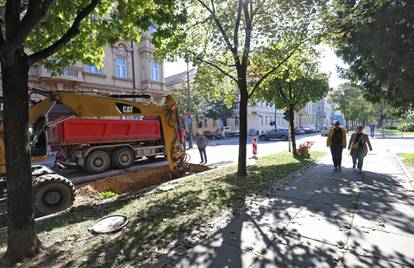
(296, 83)
(110, 21)
(374, 38)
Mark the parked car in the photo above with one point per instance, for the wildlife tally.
(325, 130)
(281, 133)
(212, 135)
(299, 131)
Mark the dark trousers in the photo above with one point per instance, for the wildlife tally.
(203, 154)
(372, 132)
(336, 152)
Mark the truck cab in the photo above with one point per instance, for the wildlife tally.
(228, 132)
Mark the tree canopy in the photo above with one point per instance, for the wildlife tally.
(301, 74)
(225, 34)
(349, 99)
(375, 38)
(89, 25)
(211, 94)
(296, 83)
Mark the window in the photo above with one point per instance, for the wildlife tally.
(261, 120)
(236, 121)
(155, 71)
(266, 120)
(214, 123)
(70, 72)
(121, 68)
(92, 69)
(205, 122)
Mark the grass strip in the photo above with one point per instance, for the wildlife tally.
(408, 159)
(156, 220)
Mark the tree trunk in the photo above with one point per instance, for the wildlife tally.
(22, 240)
(292, 128)
(241, 169)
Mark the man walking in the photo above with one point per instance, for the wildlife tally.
(372, 128)
(202, 143)
(337, 141)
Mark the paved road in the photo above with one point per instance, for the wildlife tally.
(219, 151)
(227, 150)
(322, 218)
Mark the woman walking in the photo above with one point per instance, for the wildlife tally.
(359, 144)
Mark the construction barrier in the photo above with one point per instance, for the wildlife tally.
(254, 144)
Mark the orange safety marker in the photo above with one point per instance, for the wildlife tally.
(254, 144)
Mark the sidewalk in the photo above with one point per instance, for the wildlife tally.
(322, 219)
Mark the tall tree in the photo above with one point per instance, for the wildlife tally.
(343, 97)
(224, 34)
(57, 33)
(374, 37)
(349, 99)
(211, 94)
(297, 82)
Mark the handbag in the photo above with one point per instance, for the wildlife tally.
(355, 145)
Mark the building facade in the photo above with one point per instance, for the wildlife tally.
(128, 68)
(261, 117)
(259, 114)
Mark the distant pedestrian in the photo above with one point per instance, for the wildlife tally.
(372, 128)
(202, 143)
(358, 146)
(337, 142)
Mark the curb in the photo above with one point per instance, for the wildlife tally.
(405, 170)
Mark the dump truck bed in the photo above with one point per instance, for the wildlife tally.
(95, 131)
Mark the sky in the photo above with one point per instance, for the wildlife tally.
(328, 62)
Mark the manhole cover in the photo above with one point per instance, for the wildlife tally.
(109, 224)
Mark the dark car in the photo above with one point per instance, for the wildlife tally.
(281, 133)
(212, 135)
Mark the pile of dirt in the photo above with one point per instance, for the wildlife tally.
(132, 181)
(85, 195)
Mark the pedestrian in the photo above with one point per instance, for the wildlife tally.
(202, 143)
(372, 128)
(358, 146)
(337, 142)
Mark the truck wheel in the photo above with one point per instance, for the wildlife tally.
(123, 157)
(97, 161)
(52, 193)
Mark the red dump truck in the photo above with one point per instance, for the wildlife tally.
(98, 144)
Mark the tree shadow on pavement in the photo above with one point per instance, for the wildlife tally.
(269, 227)
(298, 225)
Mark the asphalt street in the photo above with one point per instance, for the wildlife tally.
(226, 150)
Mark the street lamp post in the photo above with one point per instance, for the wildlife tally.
(190, 119)
(275, 115)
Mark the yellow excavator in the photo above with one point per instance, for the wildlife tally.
(53, 192)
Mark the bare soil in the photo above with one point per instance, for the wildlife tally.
(132, 181)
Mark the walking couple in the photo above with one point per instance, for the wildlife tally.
(358, 144)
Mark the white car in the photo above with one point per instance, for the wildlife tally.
(325, 130)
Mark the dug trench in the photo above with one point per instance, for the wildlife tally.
(92, 193)
(130, 182)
